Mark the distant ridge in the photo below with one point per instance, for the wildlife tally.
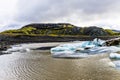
(60, 29)
(48, 25)
(116, 30)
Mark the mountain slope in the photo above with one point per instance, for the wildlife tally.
(60, 29)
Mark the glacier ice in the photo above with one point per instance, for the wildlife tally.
(17, 48)
(83, 49)
(114, 56)
(117, 64)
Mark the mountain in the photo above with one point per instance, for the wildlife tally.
(10, 26)
(60, 29)
(116, 31)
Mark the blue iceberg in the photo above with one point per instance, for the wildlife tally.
(83, 49)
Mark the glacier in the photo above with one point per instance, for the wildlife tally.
(83, 49)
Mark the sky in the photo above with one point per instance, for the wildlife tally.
(102, 13)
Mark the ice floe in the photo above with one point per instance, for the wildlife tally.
(114, 56)
(83, 49)
(17, 48)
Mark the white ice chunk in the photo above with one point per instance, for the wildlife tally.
(117, 64)
(115, 56)
(17, 48)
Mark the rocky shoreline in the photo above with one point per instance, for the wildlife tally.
(6, 40)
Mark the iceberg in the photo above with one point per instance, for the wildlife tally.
(95, 43)
(117, 64)
(83, 49)
(116, 59)
(16, 48)
(114, 56)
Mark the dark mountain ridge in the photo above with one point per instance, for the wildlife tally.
(60, 29)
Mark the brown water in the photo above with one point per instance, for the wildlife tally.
(37, 65)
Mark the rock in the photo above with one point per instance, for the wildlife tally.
(112, 42)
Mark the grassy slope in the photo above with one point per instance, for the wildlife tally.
(68, 30)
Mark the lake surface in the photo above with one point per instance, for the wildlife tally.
(40, 65)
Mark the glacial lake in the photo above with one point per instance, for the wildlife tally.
(40, 65)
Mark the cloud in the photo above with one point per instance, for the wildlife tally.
(7, 11)
(47, 10)
(77, 12)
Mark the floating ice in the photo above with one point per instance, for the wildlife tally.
(83, 49)
(95, 43)
(115, 56)
(116, 60)
(17, 48)
(117, 64)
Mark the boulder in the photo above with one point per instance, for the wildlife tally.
(112, 42)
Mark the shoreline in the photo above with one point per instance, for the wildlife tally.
(8, 41)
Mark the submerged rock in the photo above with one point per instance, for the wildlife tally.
(44, 48)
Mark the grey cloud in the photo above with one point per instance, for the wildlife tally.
(48, 10)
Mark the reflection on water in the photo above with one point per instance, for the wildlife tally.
(37, 65)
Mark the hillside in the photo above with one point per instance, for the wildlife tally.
(60, 29)
(61, 32)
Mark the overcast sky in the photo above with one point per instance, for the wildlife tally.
(102, 13)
